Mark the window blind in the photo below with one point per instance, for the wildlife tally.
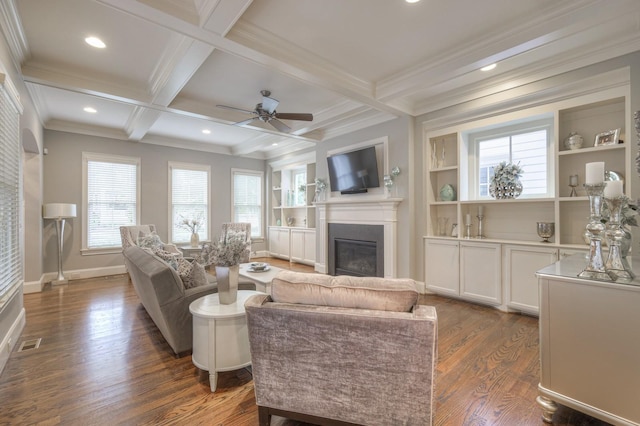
(189, 200)
(10, 260)
(247, 200)
(112, 200)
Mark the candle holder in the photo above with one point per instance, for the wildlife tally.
(615, 263)
(596, 270)
(467, 233)
(479, 235)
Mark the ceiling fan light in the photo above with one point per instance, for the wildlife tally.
(95, 42)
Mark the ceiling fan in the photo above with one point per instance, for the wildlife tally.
(266, 112)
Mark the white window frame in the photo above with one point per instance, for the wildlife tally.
(107, 158)
(12, 256)
(262, 215)
(507, 129)
(196, 167)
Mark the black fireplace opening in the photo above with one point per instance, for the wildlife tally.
(356, 250)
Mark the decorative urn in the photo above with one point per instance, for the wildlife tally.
(573, 141)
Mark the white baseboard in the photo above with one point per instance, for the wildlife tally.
(11, 339)
(33, 286)
(260, 253)
(79, 274)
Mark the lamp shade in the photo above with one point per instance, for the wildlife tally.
(58, 210)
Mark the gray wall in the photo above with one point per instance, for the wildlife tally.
(63, 183)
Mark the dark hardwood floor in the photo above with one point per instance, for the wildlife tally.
(102, 361)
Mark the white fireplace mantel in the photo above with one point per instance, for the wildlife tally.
(368, 211)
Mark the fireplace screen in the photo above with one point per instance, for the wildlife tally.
(355, 249)
(356, 258)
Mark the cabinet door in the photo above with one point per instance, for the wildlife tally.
(310, 247)
(480, 275)
(284, 241)
(442, 265)
(279, 242)
(521, 284)
(297, 245)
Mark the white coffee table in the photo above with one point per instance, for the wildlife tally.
(220, 336)
(263, 279)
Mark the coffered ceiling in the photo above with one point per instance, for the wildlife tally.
(351, 63)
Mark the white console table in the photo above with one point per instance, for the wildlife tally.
(589, 343)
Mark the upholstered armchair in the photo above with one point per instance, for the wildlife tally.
(130, 234)
(342, 350)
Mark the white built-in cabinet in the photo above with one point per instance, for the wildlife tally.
(480, 272)
(279, 242)
(499, 269)
(292, 220)
(520, 281)
(303, 245)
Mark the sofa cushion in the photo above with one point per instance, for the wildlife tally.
(167, 256)
(384, 294)
(150, 240)
(191, 273)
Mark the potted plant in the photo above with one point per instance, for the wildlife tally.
(226, 255)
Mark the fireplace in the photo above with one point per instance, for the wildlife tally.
(356, 250)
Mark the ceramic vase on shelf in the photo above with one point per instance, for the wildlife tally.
(195, 239)
(227, 277)
(503, 192)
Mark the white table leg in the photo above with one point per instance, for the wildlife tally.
(213, 374)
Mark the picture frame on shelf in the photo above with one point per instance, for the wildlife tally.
(609, 137)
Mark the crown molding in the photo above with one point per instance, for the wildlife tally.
(14, 32)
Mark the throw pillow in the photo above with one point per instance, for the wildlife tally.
(168, 257)
(191, 273)
(151, 241)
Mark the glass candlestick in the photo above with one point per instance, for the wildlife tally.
(596, 270)
(480, 218)
(467, 233)
(615, 263)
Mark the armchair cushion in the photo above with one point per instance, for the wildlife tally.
(191, 273)
(382, 294)
(150, 240)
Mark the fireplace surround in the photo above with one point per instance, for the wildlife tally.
(362, 211)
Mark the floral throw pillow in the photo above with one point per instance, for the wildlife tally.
(151, 241)
(192, 273)
(168, 257)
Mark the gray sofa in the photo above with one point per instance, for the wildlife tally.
(342, 350)
(163, 295)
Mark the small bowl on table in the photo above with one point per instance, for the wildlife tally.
(259, 266)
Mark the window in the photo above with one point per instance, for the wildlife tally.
(526, 144)
(299, 178)
(10, 259)
(111, 198)
(189, 200)
(247, 200)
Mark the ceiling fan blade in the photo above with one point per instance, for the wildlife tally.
(269, 104)
(294, 116)
(245, 122)
(279, 125)
(236, 109)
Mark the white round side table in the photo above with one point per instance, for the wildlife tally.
(220, 336)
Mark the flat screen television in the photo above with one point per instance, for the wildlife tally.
(354, 172)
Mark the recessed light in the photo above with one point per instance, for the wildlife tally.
(488, 67)
(95, 42)
(274, 144)
(90, 110)
(206, 131)
(412, 1)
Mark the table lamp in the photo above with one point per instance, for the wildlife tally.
(59, 212)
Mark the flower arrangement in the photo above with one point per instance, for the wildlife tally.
(227, 252)
(321, 185)
(627, 216)
(192, 225)
(506, 173)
